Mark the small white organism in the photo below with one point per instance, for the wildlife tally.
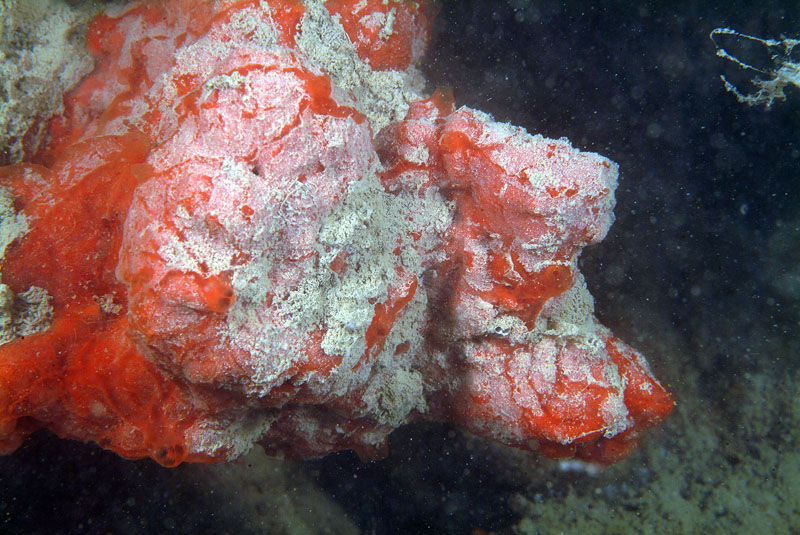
(776, 77)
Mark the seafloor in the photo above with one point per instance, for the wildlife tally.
(701, 272)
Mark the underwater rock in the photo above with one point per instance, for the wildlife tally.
(252, 226)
